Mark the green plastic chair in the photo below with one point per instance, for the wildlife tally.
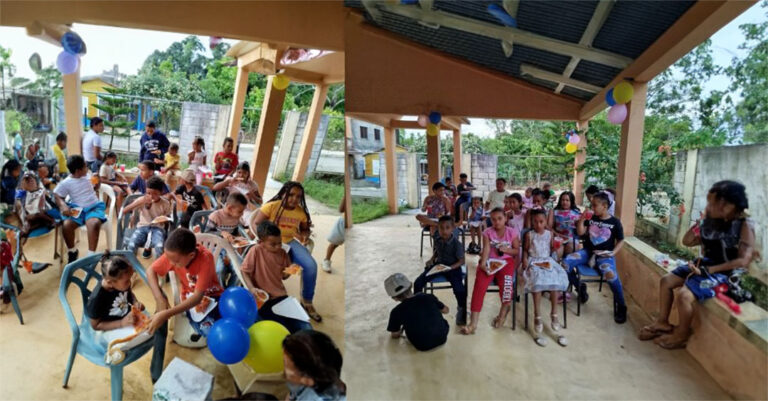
(83, 336)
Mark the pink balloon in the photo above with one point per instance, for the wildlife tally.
(574, 139)
(617, 113)
(423, 120)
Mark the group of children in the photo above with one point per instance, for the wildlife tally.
(549, 238)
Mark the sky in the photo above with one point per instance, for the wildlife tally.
(128, 49)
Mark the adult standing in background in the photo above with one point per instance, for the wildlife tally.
(92, 145)
(154, 145)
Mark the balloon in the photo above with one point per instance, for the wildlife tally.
(433, 130)
(228, 341)
(266, 352)
(280, 82)
(617, 113)
(435, 117)
(501, 14)
(72, 43)
(238, 304)
(623, 92)
(571, 148)
(574, 139)
(423, 120)
(67, 63)
(567, 137)
(609, 97)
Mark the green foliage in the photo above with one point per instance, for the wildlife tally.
(364, 209)
(7, 70)
(17, 121)
(324, 191)
(117, 107)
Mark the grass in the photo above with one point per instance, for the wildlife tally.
(368, 209)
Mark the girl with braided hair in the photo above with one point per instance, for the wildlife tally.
(288, 210)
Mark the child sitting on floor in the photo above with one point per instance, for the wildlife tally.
(109, 306)
(562, 221)
(117, 181)
(436, 206)
(151, 206)
(84, 207)
(542, 273)
(172, 165)
(476, 221)
(264, 268)
(35, 211)
(449, 252)
(499, 242)
(603, 237)
(313, 367)
(418, 315)
(194, 267)
(188, 197)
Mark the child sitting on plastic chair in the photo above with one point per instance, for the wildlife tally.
(109, 306)
(188, 197)
(200, 287)
(35, 211)
(436, 206)
(226, 222)
(476, 222)
(117, 181)
(154, 214)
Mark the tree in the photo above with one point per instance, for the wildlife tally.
(7, 70)
(117, 108)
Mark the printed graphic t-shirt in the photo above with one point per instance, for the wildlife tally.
(602, 235)
(109, 305)
(289, 222)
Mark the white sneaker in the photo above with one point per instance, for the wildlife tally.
(327, 266)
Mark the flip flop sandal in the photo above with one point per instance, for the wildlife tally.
(648, 333)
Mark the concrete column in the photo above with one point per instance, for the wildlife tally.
(310, 132)
(581, 157)
(630, 150)
(390, 144)
(433, 160)
(267, 134)
(238, 102)
(73, 112)
(456, 155)
(347, 173)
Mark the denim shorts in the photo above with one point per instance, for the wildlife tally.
(694, 282)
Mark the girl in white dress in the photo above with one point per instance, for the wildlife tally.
(542, 273)
(197, 158)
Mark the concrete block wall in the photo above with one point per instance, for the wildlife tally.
(483, 173)
(206, 120)
(290, 143)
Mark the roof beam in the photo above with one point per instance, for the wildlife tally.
(304, 76)
(700, 22)
(598, 19)
(262, 60)
(446, 124)
(509, 34)
(526, 69)
(431, 82)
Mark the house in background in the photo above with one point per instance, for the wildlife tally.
(367, 144)
(93, 86)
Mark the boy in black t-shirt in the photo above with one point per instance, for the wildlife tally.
(418, 315)
(603, 236)
(191, 197)
(109, 306)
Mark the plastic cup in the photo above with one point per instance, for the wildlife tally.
(558, 242)
(122, 168)
(588, 214)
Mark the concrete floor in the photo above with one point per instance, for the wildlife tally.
(603, 360)
(34, 355)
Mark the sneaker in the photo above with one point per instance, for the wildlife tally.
(461, 316)
(583, 296)
(72, 256)
(326, 266)
(146, 254)
(620, 315)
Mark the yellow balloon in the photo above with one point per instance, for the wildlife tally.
(432, 129)
(622, 93)
(266, 352)
(280, 82)
(571, 148)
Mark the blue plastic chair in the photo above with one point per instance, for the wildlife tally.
(12, 285)
(83, 335)
(208, 194)
(596, 277)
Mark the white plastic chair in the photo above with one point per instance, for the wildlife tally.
(106, 227)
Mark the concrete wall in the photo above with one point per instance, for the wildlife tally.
(206, 120)
(369, 144)
(483, 174)
(290, 142)
(407, 181)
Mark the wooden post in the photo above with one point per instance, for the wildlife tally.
(73, 112)
(630, 150)
(265, 138)
(433, 160)
(238, 102)
(456, 155)
(390, 144)
(581, 157)
(347, 172)
(310, 132)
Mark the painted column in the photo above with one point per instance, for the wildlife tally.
(433, 160)
(456, 155)
(347, 172)
(73, 112)
(310, 132)
(630, 150)
(390, 144)
(265, 138)
(581, 157)
(238, 102)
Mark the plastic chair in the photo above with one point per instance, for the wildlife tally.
(83, 336)
(200, 219)
(58, 238)
(208, 194)
(124, 229)
(12, 280)
(585, 270)
(424, 233)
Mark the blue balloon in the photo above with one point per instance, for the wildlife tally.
(67, 62)
(609, 97)
(237, 303)
(228, 341)
(72, 43)
(501, 14)
(435, 117)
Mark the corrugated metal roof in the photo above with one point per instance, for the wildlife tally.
(630, 28)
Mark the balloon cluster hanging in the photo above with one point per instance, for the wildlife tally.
(618, 97)
(69, 59)
(573, 139)
(433, 127)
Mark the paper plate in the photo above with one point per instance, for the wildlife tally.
(291, 308)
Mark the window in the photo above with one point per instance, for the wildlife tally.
(363, 132)
(377, 134)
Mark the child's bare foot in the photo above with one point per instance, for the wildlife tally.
(654, 330)
(498, 321)
(469, 329)
(671, 341)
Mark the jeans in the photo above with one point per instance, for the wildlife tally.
(293, 325)
(603, 265)
(453, 276)
(139, 238)
(301, 256)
